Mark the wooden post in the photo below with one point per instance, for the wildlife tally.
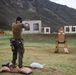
(61, 35)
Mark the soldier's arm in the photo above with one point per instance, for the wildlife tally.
(23, 26)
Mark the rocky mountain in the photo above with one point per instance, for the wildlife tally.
(51, 14)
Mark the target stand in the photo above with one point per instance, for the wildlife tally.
(61, 40)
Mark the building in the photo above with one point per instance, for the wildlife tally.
(46, 30)
(32, 26)
(70, 29)
(35, 26)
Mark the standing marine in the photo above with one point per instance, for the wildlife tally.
(17, 42)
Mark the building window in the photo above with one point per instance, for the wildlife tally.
(73, 29)
(67, 29)
(47, 30)
(35, 26)
(27, 28)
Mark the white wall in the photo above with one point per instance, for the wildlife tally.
(70, 29)
(31, 24)
(46, 30)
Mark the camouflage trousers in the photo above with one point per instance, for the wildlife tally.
(18, 51)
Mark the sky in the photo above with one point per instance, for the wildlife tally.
(70, 3)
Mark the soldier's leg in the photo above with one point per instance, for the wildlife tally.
(21, 52)
(14, 57)
(20, 60)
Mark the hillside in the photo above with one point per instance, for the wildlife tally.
(51, 14)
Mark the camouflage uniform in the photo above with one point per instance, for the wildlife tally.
(17, 44)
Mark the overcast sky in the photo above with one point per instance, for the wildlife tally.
(70, 3)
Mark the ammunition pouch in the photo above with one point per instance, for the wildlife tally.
(12, 41)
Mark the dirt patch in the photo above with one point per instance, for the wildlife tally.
(72, 59)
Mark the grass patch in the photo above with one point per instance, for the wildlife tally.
(40, 48)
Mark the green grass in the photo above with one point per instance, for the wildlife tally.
(40, 48)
